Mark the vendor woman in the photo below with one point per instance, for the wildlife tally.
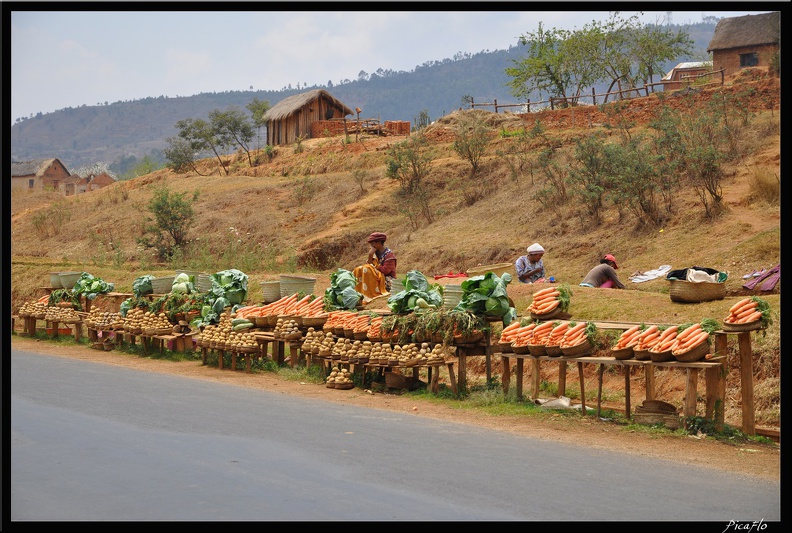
(374, 277)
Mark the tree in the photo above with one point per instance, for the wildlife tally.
(232, 127)
(202, 137)
(258, 108)
(173, 216)
(542, 71)
(472, 138)
(180, 156)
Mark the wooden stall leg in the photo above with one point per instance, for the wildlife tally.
(519, 379)
(649, 379)
(220, 356)
(434, 379)
(715, 380)
(204, 351)
(562, 369)
(505, 375)
(582, 389)
(452, 377)
(462, 371)
(626, 391)
(600, 374)
(746, 382)
(690, 392)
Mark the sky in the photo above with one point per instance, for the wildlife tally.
(62, 58)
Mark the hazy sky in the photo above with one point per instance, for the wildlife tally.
(65, 59)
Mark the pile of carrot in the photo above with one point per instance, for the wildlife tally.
(337, 319)
(374, 331)
(507, 334)
(361, 323)
(689, 338)
(744, 312)
(648, 338)
(541, 332)
(307, 306)
(545, 301)
(665, 341)
(44, 299)
(556, 334)
(521, 335)
(628, 338)
(574, 335)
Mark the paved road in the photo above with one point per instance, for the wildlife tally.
(91, 442)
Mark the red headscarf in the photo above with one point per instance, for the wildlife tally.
(377, 236)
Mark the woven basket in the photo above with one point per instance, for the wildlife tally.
(548, 316)
(661, 357)
(452, 295)
(505, 347)
(750, 326)
(696, 353)
(378, 302)
(537, 350)
(690, 292)
(68, 279)
(270, 291)
(499, 269)
(584, 348)
(396, 286)
(669, 421)
(162, 285)
(521, 349)
(623, 354)
(55, 281)
(314, 321)
(658, 406)
(553, 351)
(345, 386)
(641, 355)
(203, 283)
(294, 284)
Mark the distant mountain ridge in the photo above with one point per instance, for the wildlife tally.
(109, 133)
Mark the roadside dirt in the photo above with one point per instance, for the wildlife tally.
(747, 459)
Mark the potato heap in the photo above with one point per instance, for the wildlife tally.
(438, 354)
(380, 353)
(404, 353)
(104, 320)
(339, 375)
(313, 338)
(287, 328)
(133, 322)
(36, 309)
(156, 324)
(241, 341)
(341, 346)
(62, 315)
(326, 345)
(217, 335)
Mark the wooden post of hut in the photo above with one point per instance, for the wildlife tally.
(357, 130)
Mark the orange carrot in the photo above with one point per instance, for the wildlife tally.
(756, 315)
(741, 305)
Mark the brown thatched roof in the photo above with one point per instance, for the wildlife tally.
(750, 30)
(33, 167)
(290, 105)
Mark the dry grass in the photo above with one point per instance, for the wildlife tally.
(310, 212)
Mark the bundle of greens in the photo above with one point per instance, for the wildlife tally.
(341, 293)
(486, 296)
(142, 285)
(90, 286)
(418, 295)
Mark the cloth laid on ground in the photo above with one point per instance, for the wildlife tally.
(640, 277)
(697, 275)
(768, 280)
(451, 275)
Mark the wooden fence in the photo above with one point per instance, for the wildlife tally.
(561, 101)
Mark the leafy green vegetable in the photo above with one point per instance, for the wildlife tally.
(418, 294)
(341, 293)
(90, 286)
(142, 285)
(231, 284)
(486, 296)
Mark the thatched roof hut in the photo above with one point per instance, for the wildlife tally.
(291, 118)
(748, 41)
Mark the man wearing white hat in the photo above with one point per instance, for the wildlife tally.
(531, 267)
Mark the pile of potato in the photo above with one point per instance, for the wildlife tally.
(104, 320)
(340, 376)
(62, 315)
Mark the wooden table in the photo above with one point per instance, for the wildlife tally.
(463, 351)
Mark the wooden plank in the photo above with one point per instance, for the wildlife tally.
(519, 379)
(505, 374)
(746, 383)
(562, 368)
(690, 392)
(582, 388)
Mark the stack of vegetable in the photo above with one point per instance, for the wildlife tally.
(230, 286)
(579, 333)
(549, 300)
(486, 296)
(418, 295)
(557, 333)
(629, 337)
(142, 285)
(519, 336)
(91, 286)
(184, 284)
(341, 293)
(692, 336)
(748, 311)
(540, 333)
(665, 341)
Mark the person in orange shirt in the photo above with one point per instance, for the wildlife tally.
(374, 277)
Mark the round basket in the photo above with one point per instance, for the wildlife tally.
(270, 291)
(521, 349)
(553, 351)
(505, 347)
(162, 285)
(537, 350)
(696, 353)
(750, 326)
(378, 302)
(661, 357)
(55, 281)
(203, 282)
(624, 353)
(690, 292)
(259, 321)
(314, 321)
(452, 295)
(68, 279)
(360, 335)
(548, 316)
(471, 338)
(330, 384)
(584, 348)
(396, 286)
(641, 355)
(499, 269)
(295, 284)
